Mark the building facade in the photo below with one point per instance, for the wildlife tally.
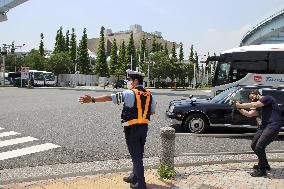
(121, 36)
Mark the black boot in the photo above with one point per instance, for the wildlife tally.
(136, 186)
(127, 179)
(267, 167)
(130, 179)
(258, 173)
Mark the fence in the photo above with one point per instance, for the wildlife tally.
(67, 80)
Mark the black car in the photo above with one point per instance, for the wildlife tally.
(119, 84)
(197, 115)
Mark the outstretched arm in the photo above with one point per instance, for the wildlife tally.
(251, 113)
(89, 99)
(257, 104)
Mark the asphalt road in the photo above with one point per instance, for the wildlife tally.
(54, 128)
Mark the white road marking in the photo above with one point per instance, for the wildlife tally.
(27, 150)
(10, 133)
(16, 141)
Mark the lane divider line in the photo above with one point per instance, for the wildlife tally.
(27, 151)
(9, 133)
(16, 141)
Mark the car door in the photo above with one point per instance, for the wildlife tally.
(236, 117)
(219, 113)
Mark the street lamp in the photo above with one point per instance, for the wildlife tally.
(148, 74)
(3, 53)
(17, 47)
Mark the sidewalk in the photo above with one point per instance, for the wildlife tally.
(195, 174)
(225, 176)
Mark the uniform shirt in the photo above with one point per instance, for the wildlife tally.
(270, 113)
(128, 98)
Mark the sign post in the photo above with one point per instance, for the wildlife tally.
(24, 74)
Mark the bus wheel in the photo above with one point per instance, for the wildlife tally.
(195, 123)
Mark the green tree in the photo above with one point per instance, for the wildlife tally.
(59, 42)
(196, 63)
(181, 54)
(189, 72)
(202, 73)
(131, 52)
(41, 45)
(161, 68)
(154, 45)
(122, 59)
(101, 65)
(191, 55)
(73, 50)
(11, 63)
(143, 49)
(83, 55)
(59, 63)
(34, 60)
(67, 42)
(113, 65)
(166, 49)
(174, 54)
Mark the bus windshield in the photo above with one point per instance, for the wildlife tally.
(38, 76)
(222, 74)
(49, 77)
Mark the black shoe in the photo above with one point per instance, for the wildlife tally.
(136, 186)
(127, 179)
(258, 173)
(267, 167)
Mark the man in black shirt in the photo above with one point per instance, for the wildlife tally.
(267, 131)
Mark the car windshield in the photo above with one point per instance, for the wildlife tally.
(223, 95)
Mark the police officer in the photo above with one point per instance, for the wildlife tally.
(267, 131)
(138, 106)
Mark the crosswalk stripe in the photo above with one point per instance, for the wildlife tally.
(1, 128)
(16, 141)
(27, 150)
(10, 133)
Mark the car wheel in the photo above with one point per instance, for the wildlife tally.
(195, 123)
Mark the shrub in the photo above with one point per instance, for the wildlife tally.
(165, 171)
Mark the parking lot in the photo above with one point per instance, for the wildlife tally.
(58, 129)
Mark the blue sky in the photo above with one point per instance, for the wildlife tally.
(211, 26)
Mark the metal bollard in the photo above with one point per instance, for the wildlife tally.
(167, 150)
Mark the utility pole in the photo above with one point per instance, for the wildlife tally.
(4, 53)
(3, 70)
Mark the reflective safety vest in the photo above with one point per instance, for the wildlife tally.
(141, 111)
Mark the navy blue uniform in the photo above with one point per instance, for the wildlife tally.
(138, 104)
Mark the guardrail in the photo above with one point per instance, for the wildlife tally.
(167, 150)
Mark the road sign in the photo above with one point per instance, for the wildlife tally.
(25, 72)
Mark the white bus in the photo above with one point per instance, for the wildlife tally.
(249, 65)
(36, 77)
(49, 79)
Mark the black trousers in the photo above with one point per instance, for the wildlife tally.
(135, 139)
(261, 139)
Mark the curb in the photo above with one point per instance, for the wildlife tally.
(47, 172)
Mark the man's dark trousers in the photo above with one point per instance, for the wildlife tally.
(262, 138)
(135, 139)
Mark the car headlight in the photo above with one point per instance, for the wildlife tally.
(171, 109)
